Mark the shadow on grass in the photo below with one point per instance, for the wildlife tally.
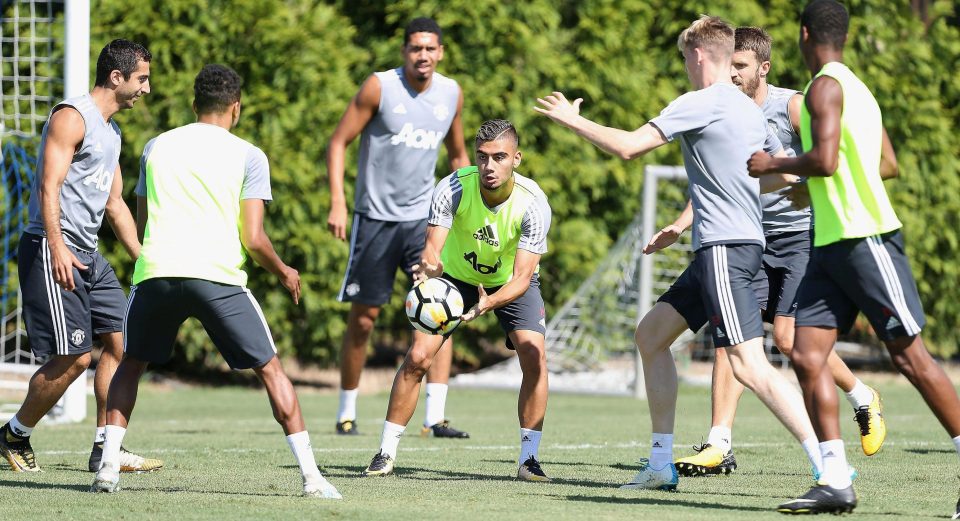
(86, 489)
(64, 467)
(552, 463)
(930, 451)
(424, 474)
(44, 486)
(657, 501)
(698, 503)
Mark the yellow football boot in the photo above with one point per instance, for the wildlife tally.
(873, 428)
(708, 460)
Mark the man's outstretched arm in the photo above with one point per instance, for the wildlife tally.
(621, 143)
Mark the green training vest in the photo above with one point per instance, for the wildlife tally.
(851, 203)
(482, 244)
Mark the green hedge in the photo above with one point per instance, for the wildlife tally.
(302, 61)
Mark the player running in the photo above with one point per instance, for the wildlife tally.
(718, 129)
(403, 115)
(787, 233)
(487, 230)
(200, 206)
(70, 291)
(858, 261)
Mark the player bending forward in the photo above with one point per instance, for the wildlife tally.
(487, 230)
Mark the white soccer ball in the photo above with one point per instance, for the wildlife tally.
(434, 306)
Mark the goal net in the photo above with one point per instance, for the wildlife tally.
(589, 341)
(38, 67)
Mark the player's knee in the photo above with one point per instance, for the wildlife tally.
(807, 362)
(417, 362)
(745, 372)
(908, 364)
(72, 365)
(533, 353)
(784, 342)
(646, 343)
(363, 324)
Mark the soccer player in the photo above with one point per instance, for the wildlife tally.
(487, 230)
(200, 206)
(70, 291)
(718, 129)
(858, 261)
(403, 115)
(787, 233)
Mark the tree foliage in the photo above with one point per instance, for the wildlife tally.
(302, 61)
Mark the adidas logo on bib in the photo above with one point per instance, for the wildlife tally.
(487, 234)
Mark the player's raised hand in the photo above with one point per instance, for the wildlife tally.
(759, 164)
(337, 221)
(479, 308)
(424, 270)
(63, 261)
(556, 107)
(290, 278)
(662, 239)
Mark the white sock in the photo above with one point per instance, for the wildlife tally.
(18, 429)
(436, 404)
(302, 450)
(661, 450)
(391, 438)
(100, 435)
(956, 443)
(812, 447)
(348, 405)
(720, 437)
(860, 395)
(529, 444)
(112, 439)
(836, 472)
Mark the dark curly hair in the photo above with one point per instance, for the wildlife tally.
(216, 88)
(422, 25)
(827, 21)
(494, 129)
(120, 55)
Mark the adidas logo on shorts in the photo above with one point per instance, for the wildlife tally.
(893, 323)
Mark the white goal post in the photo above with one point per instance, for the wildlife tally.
(33, 78)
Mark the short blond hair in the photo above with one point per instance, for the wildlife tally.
(711, 34)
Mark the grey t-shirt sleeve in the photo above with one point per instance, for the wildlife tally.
(534, 227)
(141, 188)
(691, 111)
(256, 178)
(446, 200)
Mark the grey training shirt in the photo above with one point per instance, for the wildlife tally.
(84, 193)
(719, 128)
(779, 215)
(398, 147)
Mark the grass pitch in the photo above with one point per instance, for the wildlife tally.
(227, 459)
